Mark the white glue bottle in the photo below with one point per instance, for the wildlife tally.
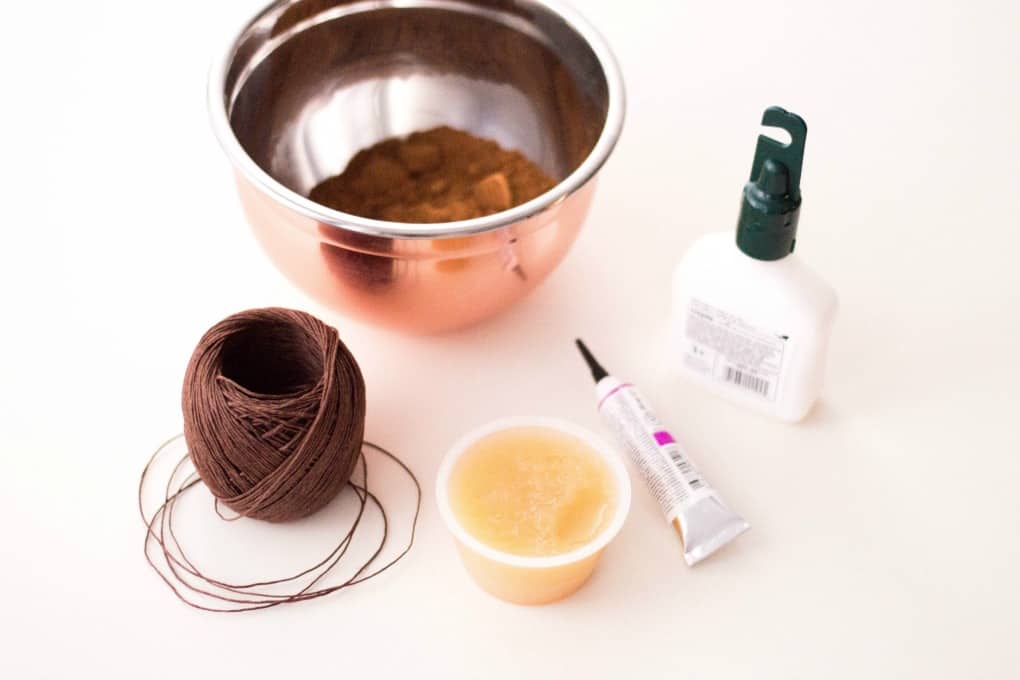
(751, 322)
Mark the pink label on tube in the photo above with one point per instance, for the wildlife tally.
(662, 438)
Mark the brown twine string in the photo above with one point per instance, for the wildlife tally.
(274, 411)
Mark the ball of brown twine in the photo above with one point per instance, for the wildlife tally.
(274, 416)
(274, 413)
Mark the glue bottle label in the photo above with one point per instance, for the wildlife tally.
(732, 351)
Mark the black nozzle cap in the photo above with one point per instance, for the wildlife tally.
(767, 227)
(597, 371)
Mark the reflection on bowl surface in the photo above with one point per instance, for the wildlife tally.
(309, 83)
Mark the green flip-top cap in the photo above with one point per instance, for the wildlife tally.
(767, 228)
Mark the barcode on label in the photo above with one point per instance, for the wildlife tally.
(685, 468)
(748, 380)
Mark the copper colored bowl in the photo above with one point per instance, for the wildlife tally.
(308, 83)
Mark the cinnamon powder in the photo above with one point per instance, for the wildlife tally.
(440, 175)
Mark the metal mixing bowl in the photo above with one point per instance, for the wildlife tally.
(308, 83)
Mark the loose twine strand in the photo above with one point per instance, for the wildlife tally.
(274, 410)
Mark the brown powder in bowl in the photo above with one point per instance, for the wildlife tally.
(440, 175)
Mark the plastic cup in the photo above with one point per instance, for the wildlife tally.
(525, 579)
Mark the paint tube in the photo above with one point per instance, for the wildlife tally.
(691, 505)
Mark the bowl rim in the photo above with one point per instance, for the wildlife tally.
(604, 145)
(593, 441)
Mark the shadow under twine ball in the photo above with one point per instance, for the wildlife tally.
(274, 413)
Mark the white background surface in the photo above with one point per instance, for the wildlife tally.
(886, 540)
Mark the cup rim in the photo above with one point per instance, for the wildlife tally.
(596, 443)
(604, 145)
